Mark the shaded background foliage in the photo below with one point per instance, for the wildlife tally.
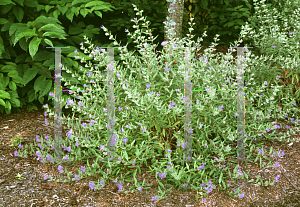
(27, 67)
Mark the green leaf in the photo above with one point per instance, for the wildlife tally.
(4, 94)
(4, 81)
(3, 21)
(13, 28)
(95, 3)
(47, 41)
(84, 12)
(12, 73)
(70, 15)
(54, 35)
(19, 13)
(51, 27)
(15, 102)
(5, 2)
(26, 33)
(17, 79)
(47, 8)
(45, 87)
(12, 85)
(29, 75)
(62, 9)
(38, 83)
(99, 14)
(34, 46)
(79, 2)
(7, 107)
(55, 14)
(23, 44)
(220, 179)
(31, 97)
(41, 99)
(2, 102)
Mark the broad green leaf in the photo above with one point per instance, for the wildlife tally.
(43, 55)
(94, 3)
(4, 81)
(84, 12)
(48, 42)
(12, 85)
(79, 2)
(76, 10)
(23, 44)
(5, 2)
(19, 13)
(99, 14)
(29, 75)
(55, 13)
(41, 99)
(31, 97)
(7, 107)
(15, 101)
(13, 94)
(62, 9)
(51, 27)
(34, 46)
(45, 87)
(13, 73)
(2, 102)
(4, 94)
(3, 21)
(70, 15)
(54, 35)
(14, 27)
(103, 8)
(26, 33)
(47, 8)
(17, 79)
(38, 82)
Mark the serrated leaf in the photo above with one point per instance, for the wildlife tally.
(19, 13)
(12, 85)
(45, 87)
(29, 75)
(4, 94)
(34, 46)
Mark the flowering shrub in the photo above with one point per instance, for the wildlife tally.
(149, 103)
